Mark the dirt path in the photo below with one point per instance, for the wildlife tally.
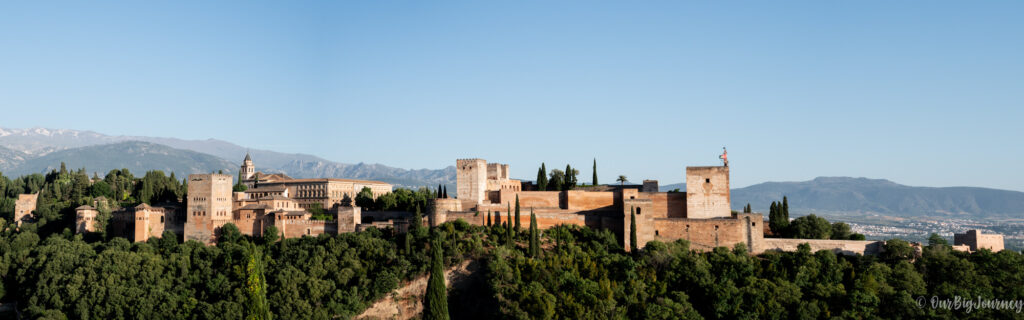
(407, 302)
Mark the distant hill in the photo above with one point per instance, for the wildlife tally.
(27, 150)
(862, 195)
(137, 156)
(10, 158)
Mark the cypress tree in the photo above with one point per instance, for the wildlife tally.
(542, 178)
(534, 238)
(446, 192)
(632, 229)
(488, 218)
(773, 219)
(435, 301)
(438, 196)
(416, 219)
(509, 210)
(517, 213)
(508, 231)
(408, 243)
(256, 283)
(785, 209)
(595, 171)
(569, 181)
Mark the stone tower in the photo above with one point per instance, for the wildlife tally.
(707, 192)
(24, 207)
(248, 170)
(471, 181)
(85, 219)
(209, 206)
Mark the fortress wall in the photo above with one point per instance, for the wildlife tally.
(848, 247)
(703, 233)
(545, 218)
(536, 199)
(586, 200)
(548, 220)
(992, 242)
(246, 221)
(666, 205)
(472, 217)
(313, 228)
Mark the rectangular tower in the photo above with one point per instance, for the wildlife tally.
(471, 181)
(24, 207)
(707, 192)
(209, 206)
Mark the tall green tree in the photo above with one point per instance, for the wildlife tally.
(364, 198)
(542, 178)
(408, 243)
(534, 237)
(435, 301)
(632, 229)
(517, 213)
(270, 235)
(810, 227)
(417, 219)
(556, 181)
(595, 172)
(785, 208)
(256, 286)
(489, 218)
(569, 181)
(509, 232)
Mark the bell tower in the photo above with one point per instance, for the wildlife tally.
(248, 170)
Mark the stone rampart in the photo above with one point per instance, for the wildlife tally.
(586, 200)
(848, 247)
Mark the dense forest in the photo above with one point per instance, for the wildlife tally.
(566, 272)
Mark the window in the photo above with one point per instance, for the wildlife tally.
(708, 180)
(655, 232)
(638, 211)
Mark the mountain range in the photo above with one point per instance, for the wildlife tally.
(845, 195)
(38, 150)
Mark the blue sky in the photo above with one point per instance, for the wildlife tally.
(922, 93)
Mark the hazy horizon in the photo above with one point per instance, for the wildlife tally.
(584, 172)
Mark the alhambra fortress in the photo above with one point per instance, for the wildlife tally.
(701, 215)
